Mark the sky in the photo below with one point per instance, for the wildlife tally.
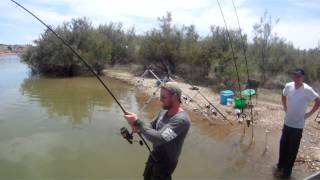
(299, 19)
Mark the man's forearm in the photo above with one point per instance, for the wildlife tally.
(149, 133)
(284, 103)
(315, 107)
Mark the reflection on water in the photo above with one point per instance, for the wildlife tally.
(74, 98)
(38, 139)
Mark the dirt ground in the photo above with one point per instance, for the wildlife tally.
(268, 113)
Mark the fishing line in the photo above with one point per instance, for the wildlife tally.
(86, 64)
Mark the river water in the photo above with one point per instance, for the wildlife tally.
(68, 128)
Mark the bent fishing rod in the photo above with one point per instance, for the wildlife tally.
(125, 135)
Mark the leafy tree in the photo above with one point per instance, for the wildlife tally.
(177, 50)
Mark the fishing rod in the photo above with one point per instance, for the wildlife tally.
(243, 45)
(235, 62)
(149, 100)
(207, 100)
(163, 82)
(242, 40)
(251, 120)
(191, 98)
(75, 52)
(140, 82)
(90, 69)
(231, 46)
(210, 103)
(155, 75)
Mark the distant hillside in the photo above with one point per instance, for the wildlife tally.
(11, 49)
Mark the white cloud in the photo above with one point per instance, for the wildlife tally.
(143, 15)
(310, 4)
(15, 13)
(201, 13)
(302, 34)
(29, 38)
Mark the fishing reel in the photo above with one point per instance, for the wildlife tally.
(211, 110)
(238, 113)
(242, 116)
(129, 136)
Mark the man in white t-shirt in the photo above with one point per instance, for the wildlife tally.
(295, 98)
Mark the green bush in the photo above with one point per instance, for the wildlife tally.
(173, 49)
(51, 56)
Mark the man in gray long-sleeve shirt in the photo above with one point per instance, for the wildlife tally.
(166, 131)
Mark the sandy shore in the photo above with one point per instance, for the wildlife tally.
(268, 114)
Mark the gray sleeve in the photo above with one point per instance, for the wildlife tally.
(170, 131)
(151, 124)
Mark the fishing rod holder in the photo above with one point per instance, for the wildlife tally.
(210, 106)
(242, 116)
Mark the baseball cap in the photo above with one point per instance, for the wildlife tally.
(173, 88)
(298, 71)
